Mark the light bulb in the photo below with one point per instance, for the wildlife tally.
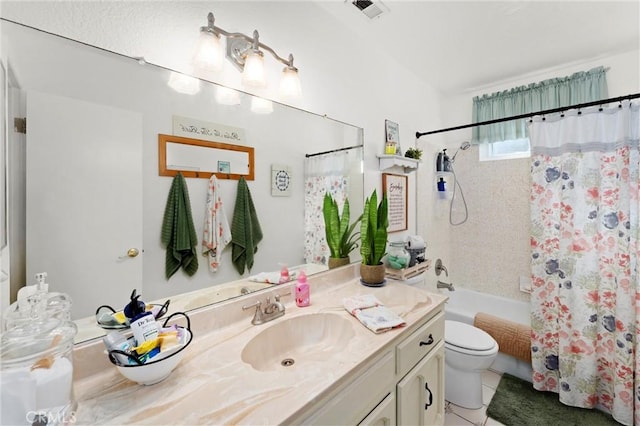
(209, 53)
(253, 74)
(290, 83)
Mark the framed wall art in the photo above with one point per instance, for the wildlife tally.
(395, 187)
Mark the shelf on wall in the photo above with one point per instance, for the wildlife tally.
(408, 164)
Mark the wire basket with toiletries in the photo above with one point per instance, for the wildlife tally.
(150, 358)
(110, 319)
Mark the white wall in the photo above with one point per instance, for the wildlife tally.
(491, 251)
(343, 76)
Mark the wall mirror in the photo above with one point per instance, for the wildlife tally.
(85, 187)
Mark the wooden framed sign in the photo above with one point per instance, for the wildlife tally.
(395, 187)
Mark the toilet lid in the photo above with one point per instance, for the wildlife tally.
(467, 336)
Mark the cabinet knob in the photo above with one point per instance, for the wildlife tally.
(428, 404)
(429, 340)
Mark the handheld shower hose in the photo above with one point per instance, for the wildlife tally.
(464, 146)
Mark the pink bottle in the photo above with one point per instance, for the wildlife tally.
(284, 274)
(302, 290)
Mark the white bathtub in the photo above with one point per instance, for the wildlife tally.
(464, 304)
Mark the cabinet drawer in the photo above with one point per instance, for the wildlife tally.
(420, 343)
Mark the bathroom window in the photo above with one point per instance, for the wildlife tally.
(505, 150)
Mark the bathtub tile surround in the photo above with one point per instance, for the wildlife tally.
(492, 248)
(213, 365)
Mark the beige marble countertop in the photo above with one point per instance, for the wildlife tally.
(212, 385)
(89, 329)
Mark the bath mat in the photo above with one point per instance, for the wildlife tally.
(516, 403)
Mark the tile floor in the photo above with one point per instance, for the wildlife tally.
(458, 416)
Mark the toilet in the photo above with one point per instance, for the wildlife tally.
(468, 352)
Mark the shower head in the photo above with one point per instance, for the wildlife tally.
(463, 146)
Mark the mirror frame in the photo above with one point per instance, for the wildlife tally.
(162, 158)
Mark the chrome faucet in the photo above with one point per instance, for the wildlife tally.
(448, 286)
(271, 311)
(440, 268)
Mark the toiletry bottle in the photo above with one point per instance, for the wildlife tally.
(439, 166)
(143, 323)
(284, 274)
(33, 297)
(302, 290)
(442, 194)
(446, 162)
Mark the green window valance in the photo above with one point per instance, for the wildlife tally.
(580, 87)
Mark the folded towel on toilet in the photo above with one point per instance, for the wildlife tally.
(371, 313)
(513, 338)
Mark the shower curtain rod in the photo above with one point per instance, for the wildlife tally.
(333, 150)
(531, 114)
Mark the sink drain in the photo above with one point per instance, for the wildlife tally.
(287, 362)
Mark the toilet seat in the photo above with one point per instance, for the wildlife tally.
(467, 339)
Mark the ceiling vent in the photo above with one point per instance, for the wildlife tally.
(371, 9)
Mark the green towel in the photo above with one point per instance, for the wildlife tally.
(245, 229)
(178, 232)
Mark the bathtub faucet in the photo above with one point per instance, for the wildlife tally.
(448, 286)
(440, 268)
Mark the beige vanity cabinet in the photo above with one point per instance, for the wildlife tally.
(383, 415)
(404, 385)
(420, 364)
(420, 393)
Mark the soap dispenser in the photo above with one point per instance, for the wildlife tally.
(302, 290)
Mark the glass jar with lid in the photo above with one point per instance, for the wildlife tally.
(36, 382)
(397, 256)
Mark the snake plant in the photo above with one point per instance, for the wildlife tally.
(373, 230)
(340, 236)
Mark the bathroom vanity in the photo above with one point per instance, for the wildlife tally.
(235, 372)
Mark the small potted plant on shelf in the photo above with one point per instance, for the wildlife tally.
(340, 236)
(373, 240)
(414, 153)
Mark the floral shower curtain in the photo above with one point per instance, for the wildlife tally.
(324, 173)
(586, 294)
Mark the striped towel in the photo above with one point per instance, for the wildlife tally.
(245, 229)
(178, 233)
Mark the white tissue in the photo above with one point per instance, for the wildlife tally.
(53, 385)
(416, 242)
(17, 396)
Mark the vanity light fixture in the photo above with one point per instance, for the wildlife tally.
(247, 54)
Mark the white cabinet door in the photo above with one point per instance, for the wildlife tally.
(84, 199)
(383, 415)
(421, 392)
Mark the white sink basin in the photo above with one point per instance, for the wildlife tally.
(298, 341)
